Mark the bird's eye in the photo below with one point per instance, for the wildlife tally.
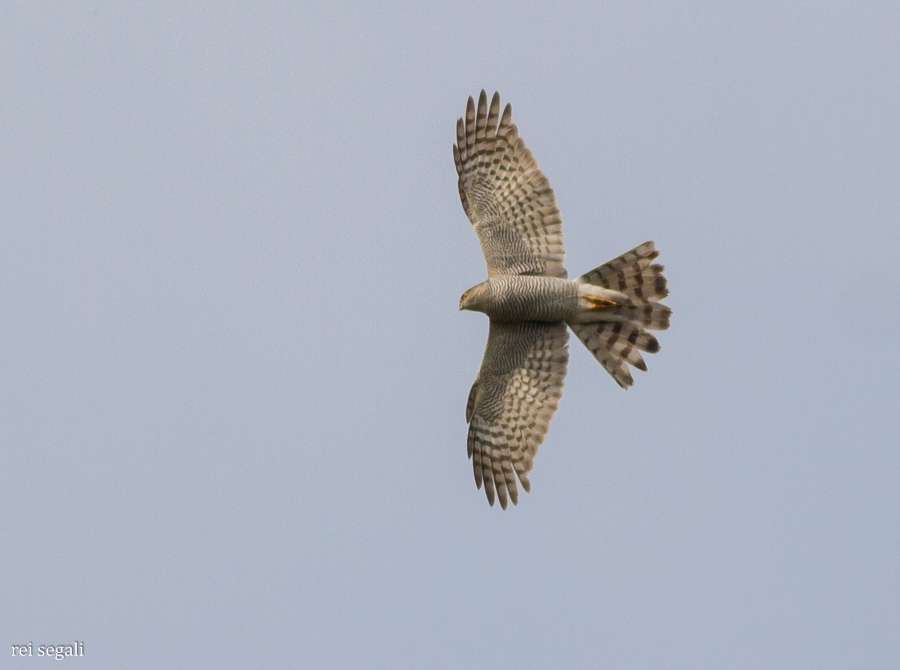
(465, 295)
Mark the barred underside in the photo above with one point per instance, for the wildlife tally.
(512, 402)
(528, 298)
(505, 195)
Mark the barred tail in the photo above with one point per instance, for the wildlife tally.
(654, 317)
(619, 337)
(632, 274)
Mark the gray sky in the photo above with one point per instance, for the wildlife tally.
(234, 373)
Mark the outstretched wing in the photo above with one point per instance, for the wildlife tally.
(512, 401)
(505, 195)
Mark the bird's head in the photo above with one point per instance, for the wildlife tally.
(474, 298)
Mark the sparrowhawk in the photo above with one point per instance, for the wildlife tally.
(531, 303)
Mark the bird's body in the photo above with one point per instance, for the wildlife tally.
(523, 298)
(532, 304)
(529, 298)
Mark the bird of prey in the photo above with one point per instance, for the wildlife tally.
(531, 303)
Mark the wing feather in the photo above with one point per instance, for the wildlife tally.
(512, 401)
(505, 195)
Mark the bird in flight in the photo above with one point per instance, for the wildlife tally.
(532, 304)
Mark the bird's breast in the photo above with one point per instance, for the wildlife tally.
(528, 298)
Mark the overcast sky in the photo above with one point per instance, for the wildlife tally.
(233, 373)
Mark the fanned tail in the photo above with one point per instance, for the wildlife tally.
(617, 339)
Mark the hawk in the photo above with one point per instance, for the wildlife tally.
(532, 304)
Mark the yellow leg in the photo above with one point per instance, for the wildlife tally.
(600, 303)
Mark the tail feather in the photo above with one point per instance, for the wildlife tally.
(596, 337)
(618, 340)
(632, 274)
(654, 317)
(615, 344)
